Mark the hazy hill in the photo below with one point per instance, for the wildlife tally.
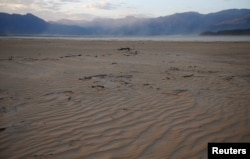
(179, 23)
(21, 24)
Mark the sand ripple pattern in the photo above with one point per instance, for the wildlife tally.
(141, 109)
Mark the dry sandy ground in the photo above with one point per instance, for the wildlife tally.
(87, 99)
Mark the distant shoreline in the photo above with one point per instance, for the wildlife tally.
(238, 32)
(170, 38)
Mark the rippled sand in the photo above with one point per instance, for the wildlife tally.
(86, 99)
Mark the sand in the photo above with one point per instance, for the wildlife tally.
(86, 99)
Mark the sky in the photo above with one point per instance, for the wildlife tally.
(53, 10)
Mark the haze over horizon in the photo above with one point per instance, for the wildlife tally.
(53, 10)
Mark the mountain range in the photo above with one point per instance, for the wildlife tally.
(179, 23)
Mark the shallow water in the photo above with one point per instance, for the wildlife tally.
(196, 38)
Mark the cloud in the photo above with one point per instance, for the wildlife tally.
(67, 9)
(104, 5)
(29, 5)
(17, 1)
(70, 0)
(53, 5)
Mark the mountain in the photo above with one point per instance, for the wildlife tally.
(21, 24)
(179, 23)
(228, 20)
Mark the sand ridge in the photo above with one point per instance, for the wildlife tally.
(88, 99)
